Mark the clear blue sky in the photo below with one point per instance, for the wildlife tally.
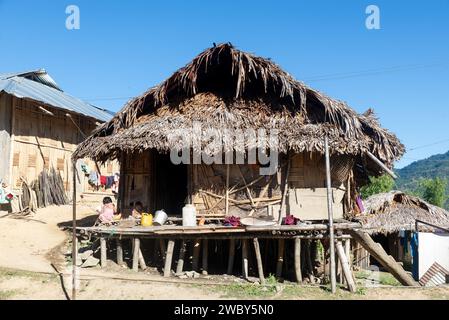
(125, 47)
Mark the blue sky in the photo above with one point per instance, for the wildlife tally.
(125, 47)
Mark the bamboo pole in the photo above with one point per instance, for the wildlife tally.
(345, 267)
(136, 248)
(205, 256)
(196, 254)
(298, 272)
(142, 263)
(330, 216)
(169, 258)
(245, 269)
(103, 250)
(259, 261)
(74, 239)
(231, 256)
(182, 253)
(227, 190)
(280, 260)
(119, 252)
(380, 164)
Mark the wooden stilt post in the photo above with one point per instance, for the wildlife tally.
(74, 238)
(119, 252)
(182, 253)
(298, 271)
(231, 256)
(280, 260)
(227, 191)
(163, 249)
(205, 256)
(259, 261)
(347, 243)
(103, 249)
(136, 249)
(169, 258)
(330, 216)
(142, 263)
(196, 254)
(345, 267)
(245, 269)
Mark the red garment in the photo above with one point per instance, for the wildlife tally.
(103, 180)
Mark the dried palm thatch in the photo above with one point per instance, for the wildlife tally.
(225, 88)
(393, 211)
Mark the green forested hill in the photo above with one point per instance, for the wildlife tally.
(433, 167)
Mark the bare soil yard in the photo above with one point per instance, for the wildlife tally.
(29, 247)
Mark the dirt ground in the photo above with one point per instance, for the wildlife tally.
(28, 248)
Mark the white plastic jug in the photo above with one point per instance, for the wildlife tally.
(189, 216)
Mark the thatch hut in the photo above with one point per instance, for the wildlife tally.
(391, 218)
(226, 90)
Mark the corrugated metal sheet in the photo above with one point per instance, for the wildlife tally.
(36, 75)
(435, 276)
(22, 87)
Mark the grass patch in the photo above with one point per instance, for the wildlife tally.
(6, 273)
(7, 294)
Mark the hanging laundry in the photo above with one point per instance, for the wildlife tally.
(109, 182)
(360, 204)
(93, 178)
(103, 180)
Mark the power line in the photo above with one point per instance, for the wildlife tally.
(429, 145)
(370, 72)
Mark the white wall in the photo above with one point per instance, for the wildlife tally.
(433, 247)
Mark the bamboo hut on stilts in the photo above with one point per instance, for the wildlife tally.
(249, 144)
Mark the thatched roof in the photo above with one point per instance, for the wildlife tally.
(393, 211)
(226, 88)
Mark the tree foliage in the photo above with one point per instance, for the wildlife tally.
(434, 191)
(377, 185)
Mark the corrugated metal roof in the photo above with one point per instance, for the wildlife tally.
(36, 75)
(43, 88)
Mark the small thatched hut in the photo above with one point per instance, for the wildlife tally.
(226, 90)
(391, 219)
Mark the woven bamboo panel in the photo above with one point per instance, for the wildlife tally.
(60, 164)
(31, 161)
(16, 159)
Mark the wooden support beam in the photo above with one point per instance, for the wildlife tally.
(330, 216)
(103, 250)
(298, 271)
(383, 258)
(169, 258)
(259, 261)
(136, 248)
(227, 191)
(345, 267)
(347, 245)
(182, 253)
(280, 260)
(245, 269)
(231, 256)
(380, 164)
(205, 257)
(119, 252)
(142, 263)
(196, 254)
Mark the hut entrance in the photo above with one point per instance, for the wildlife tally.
(170, 185)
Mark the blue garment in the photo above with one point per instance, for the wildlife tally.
(415, 255)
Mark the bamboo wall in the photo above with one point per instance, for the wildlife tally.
(249, 193)
(41, 141)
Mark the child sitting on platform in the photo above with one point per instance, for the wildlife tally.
(106, 211)
(138, 210)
